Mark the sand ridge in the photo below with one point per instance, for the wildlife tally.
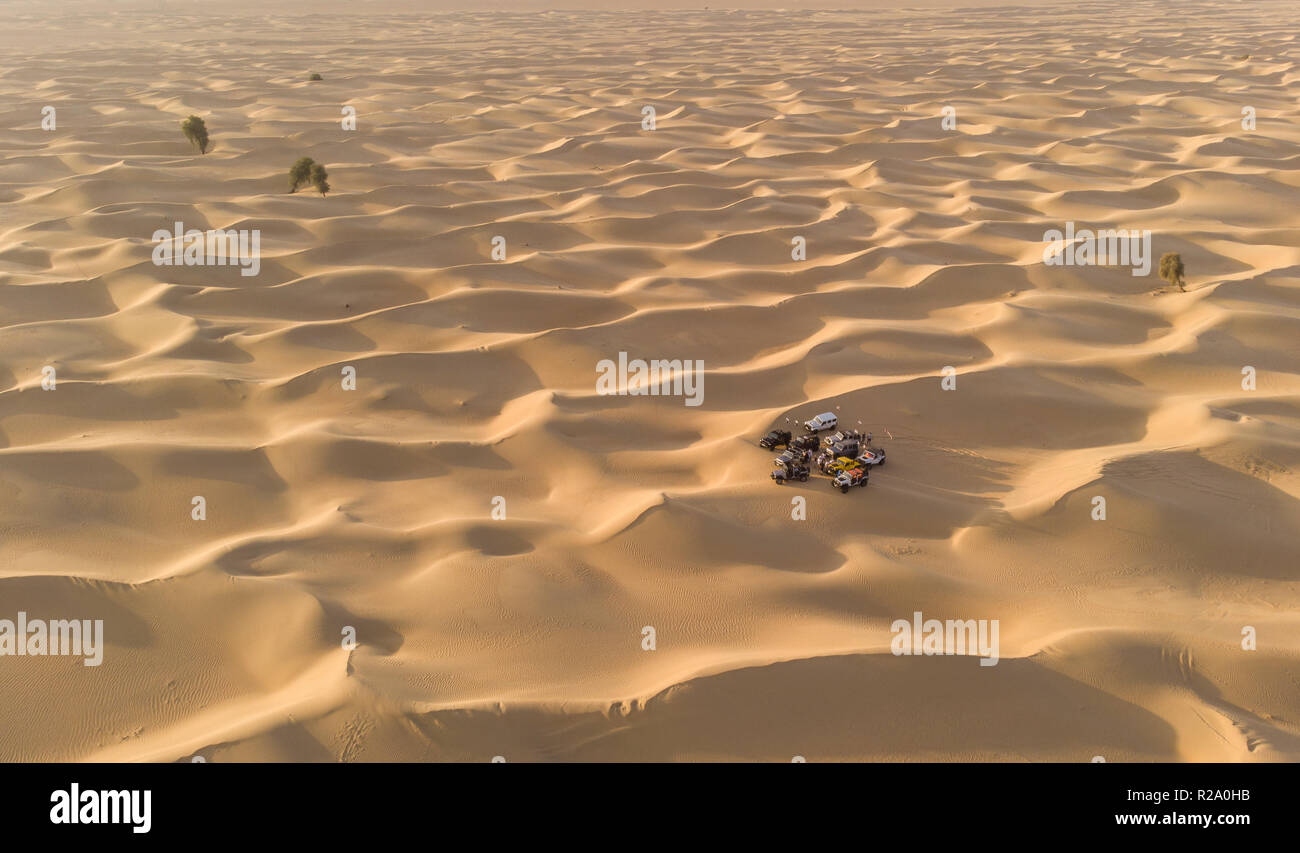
(523, 637)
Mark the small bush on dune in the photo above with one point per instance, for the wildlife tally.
(315, 76)
(196, 132)
(319, 178)
(300, 173)
(308, 171)
(1172, 271)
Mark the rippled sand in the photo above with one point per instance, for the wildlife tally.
(523, 637)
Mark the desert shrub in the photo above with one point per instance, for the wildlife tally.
(196, 132)
(320, 178)
(1172, 271)
(300, 173)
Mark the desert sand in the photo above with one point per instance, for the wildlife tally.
(522, 636)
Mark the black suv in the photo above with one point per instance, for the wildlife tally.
(805, 442)
(790, 472)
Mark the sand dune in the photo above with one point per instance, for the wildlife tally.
(522, 636)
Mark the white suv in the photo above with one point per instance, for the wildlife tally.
(826, 420)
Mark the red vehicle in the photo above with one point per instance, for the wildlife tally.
(872, 456)
(846, 480)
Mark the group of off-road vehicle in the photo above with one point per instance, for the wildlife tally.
(846, 456)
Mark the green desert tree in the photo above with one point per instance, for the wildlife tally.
(1172, 271)
(315, 76)
(320, 178)
(196, 132)
(300, 174)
